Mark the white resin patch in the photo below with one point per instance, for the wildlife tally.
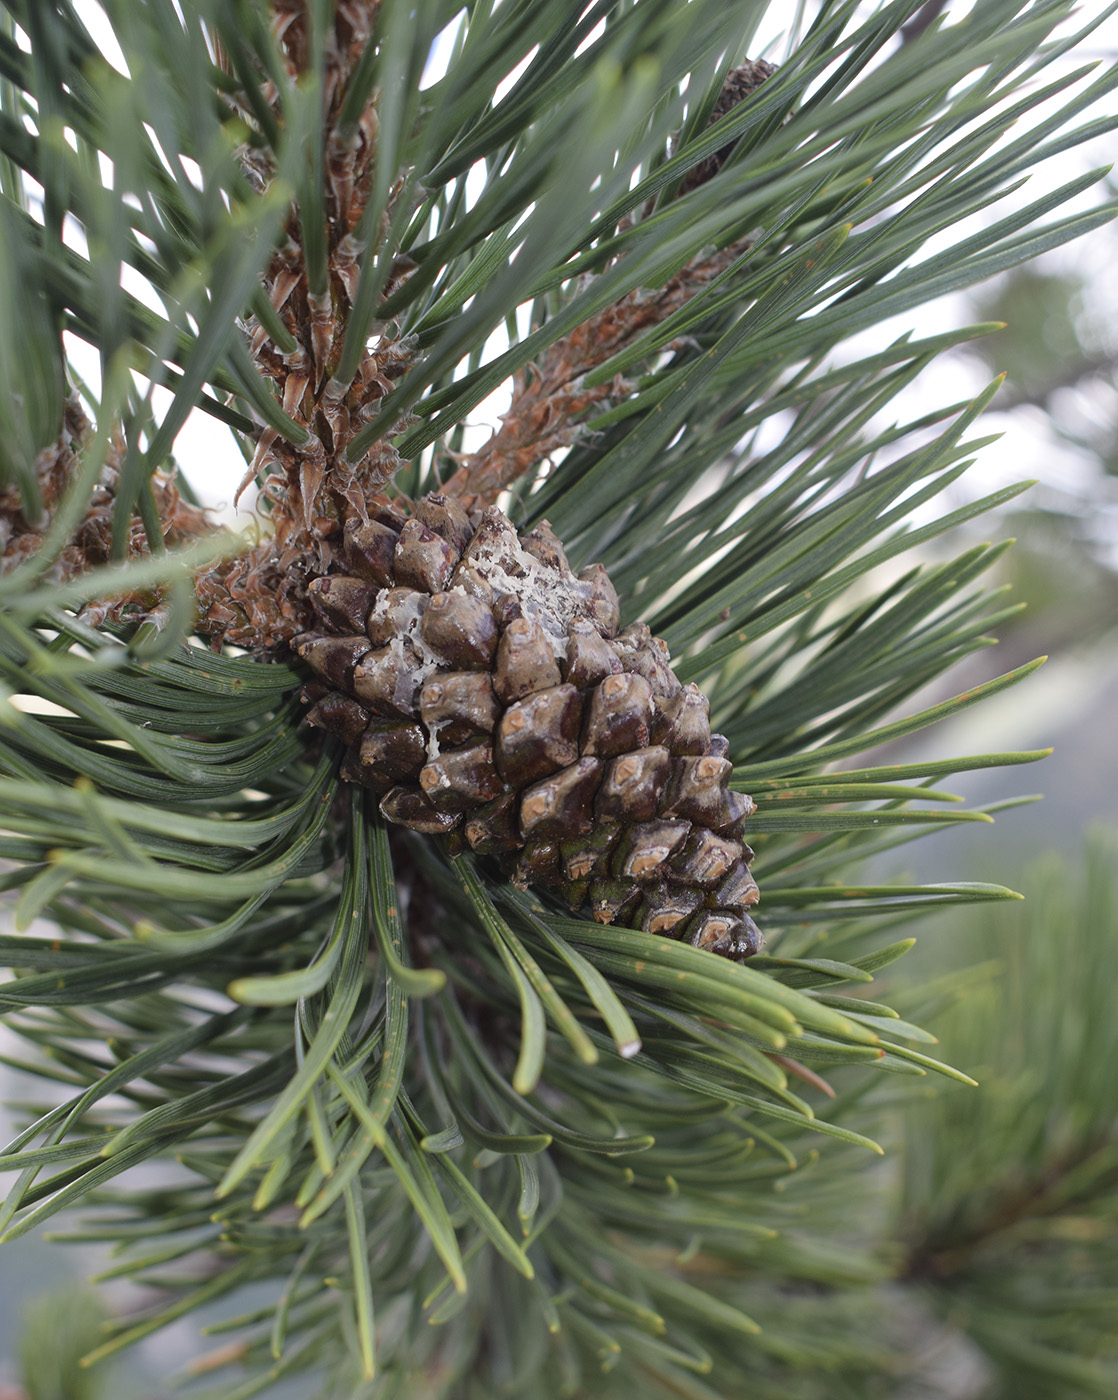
(545, 594)
(406, 647)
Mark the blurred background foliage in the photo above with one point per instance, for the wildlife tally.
(1007, 1213)
(57, 1329)
(1057, 412)
(1059, 353)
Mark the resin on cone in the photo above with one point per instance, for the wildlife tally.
(484, 688)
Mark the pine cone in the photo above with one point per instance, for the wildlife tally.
(483, 689)
(739, 84)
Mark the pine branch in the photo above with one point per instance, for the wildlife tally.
(549, 399)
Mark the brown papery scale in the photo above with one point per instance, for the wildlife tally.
(486, 691)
